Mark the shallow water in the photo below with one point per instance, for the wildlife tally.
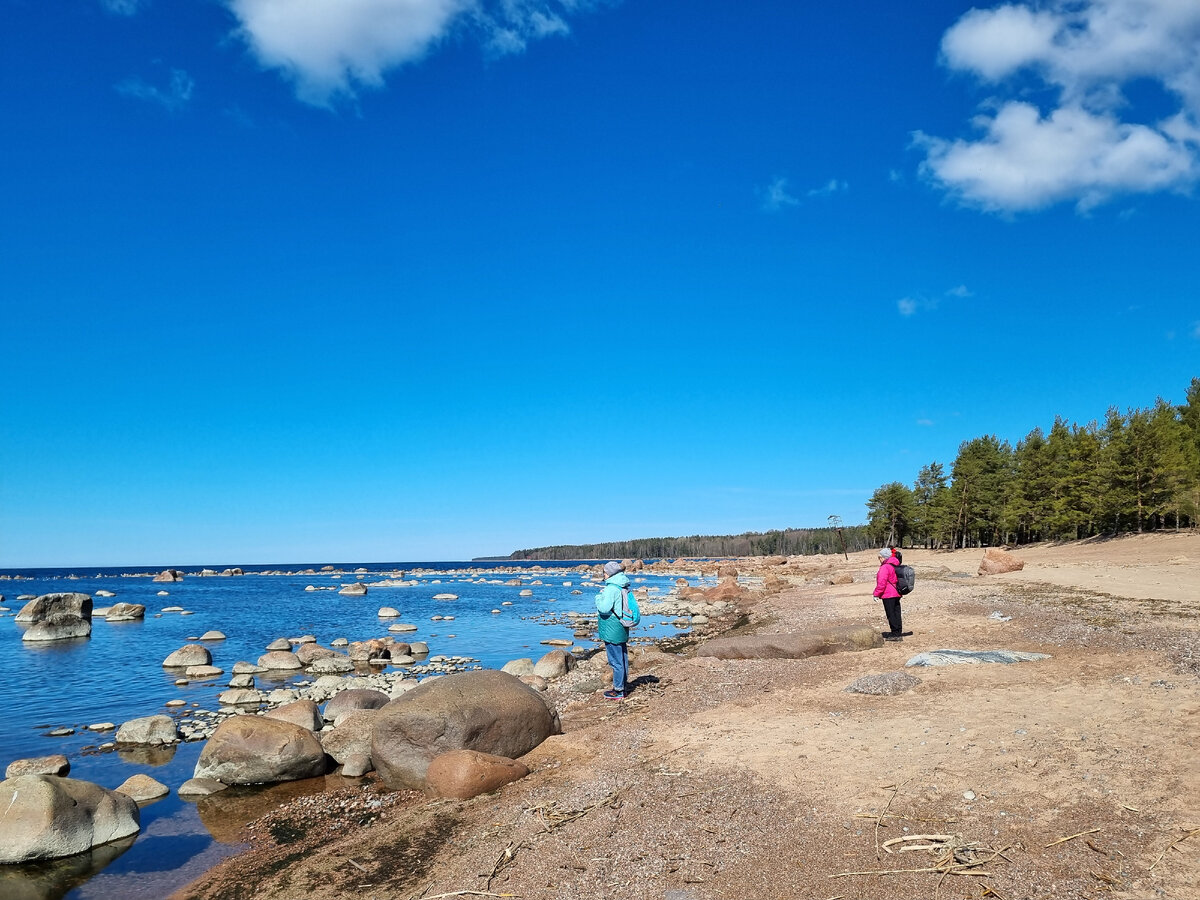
(117, 674)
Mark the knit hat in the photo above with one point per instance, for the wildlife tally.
(885, 553)
(612, 568)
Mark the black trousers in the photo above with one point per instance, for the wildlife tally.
(891, 606)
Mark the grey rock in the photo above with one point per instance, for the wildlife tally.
(353, 699)
(188, 655)
(48, 817)
(282, 660)
(201, 787)
(972, 657)
(56, 607)
(518, 667)
(351, 736)
(280, 644)
(142, 788)
(332, 665)
(147, 730)
(554, 664)
(304, 713)
(125, 612)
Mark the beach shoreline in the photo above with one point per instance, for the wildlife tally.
(765, 777)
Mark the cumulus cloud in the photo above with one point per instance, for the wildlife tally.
(777, 196)
(172, 97)
(1088, 143)
(333, 49)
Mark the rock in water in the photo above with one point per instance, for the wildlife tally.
(358, 589)
(997, 562)
(488, 711)
(38, 765)
(147, 730)
(47, 817)
(142, 788)
(57, 617)
(464, 774)
(125, 612)
(255, 750)
(280, 659)
(188, 655)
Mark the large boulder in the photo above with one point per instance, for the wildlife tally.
(358, 589)
(793, 646)
(352, 736)
(125, 612)
(169, 575)
(488, 711)
(257, 750)
(188, 655)
(331, 665)
(518, 667)
(997, 562)
(355, 698)
(57, 617)
(464, 774)
(304, 713)
(554, 664)
(43, 608)
(147, 730)
(47, 817)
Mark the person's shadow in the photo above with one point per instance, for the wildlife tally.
(640, 681)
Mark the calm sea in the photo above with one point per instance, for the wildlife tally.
(117, 674)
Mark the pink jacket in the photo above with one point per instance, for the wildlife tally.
(885, 580)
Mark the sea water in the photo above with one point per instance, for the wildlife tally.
(117, 675)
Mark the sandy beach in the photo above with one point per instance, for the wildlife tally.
(1072, 776)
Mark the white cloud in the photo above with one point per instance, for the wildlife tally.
(925, 422)
(961, 291)
(173, 97)
(777, 196)
(832, 186)
(907, 306)
(333, 49)
(1196, 331)
(1088, 145)
(123, 7)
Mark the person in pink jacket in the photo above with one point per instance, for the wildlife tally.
(886, 590)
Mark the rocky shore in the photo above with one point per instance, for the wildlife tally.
(796, 755)
(852, 774)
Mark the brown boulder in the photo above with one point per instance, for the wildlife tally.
(351, 737)
(841, 578)
(38, 765)
(304, 713)
(169, 575)
(258, 750)
(188, 655)
(464, 774)
(793, 646)
(352, 699)
(728, 589)
(311, 652)
(486, 710)
(997, 562)
(280, 659)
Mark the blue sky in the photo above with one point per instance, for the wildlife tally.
(420, 279)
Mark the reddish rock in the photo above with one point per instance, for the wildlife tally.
(464, 774)
(304, 713)
(997, 562)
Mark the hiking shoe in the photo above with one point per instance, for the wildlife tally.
(614, 695)
(893, 637)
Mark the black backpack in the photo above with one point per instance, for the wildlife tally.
(906, 579)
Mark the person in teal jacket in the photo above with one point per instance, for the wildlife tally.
(609, 606)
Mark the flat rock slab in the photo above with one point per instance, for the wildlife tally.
(793, 646)
(972, 657)
(887, 684)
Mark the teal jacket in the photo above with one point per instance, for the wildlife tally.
(607, 601)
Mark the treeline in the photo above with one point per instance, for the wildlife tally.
(786, 542)
(1138, 471)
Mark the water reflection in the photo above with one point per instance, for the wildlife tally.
(224, 814)
(52, 879)
(146, 755)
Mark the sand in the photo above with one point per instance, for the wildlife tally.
(765, 778)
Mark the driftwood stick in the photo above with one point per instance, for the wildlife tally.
(879, 818)
(1171, 846)
(1070, 837)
